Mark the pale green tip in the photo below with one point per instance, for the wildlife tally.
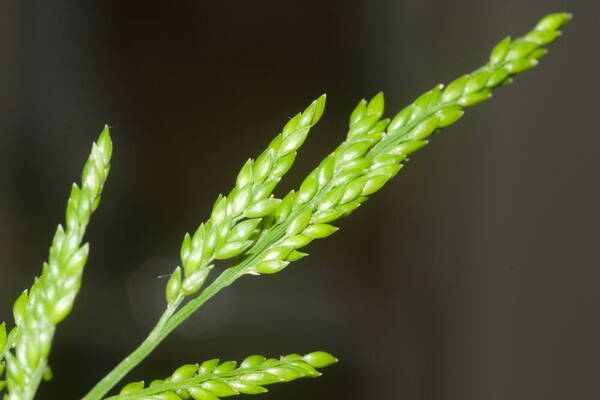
(320, 108)
(105, 142)
(320, 359)
(553, 21)
(376, 105)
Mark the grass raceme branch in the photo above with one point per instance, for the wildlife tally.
(213, 379)
(38, 310)
(267, 238)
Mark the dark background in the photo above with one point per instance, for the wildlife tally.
(472, 275)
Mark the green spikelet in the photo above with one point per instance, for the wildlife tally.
(214, 379)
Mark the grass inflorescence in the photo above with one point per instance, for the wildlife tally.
(261, 232)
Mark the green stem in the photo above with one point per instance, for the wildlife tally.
(171, 319)
(148, 345)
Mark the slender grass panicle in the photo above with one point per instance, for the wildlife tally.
(50, 299)
(213, 379)
(261, 232)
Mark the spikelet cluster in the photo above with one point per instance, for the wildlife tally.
(213, 379)
(376, 149)
(37, 311)
(237, 217)
(441, 106)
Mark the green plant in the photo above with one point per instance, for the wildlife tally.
(263, 233)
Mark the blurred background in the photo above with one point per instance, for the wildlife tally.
(472, 275)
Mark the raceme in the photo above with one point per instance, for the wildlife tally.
(261, 232)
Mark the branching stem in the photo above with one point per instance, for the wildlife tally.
(153, 339)
(380, 160)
